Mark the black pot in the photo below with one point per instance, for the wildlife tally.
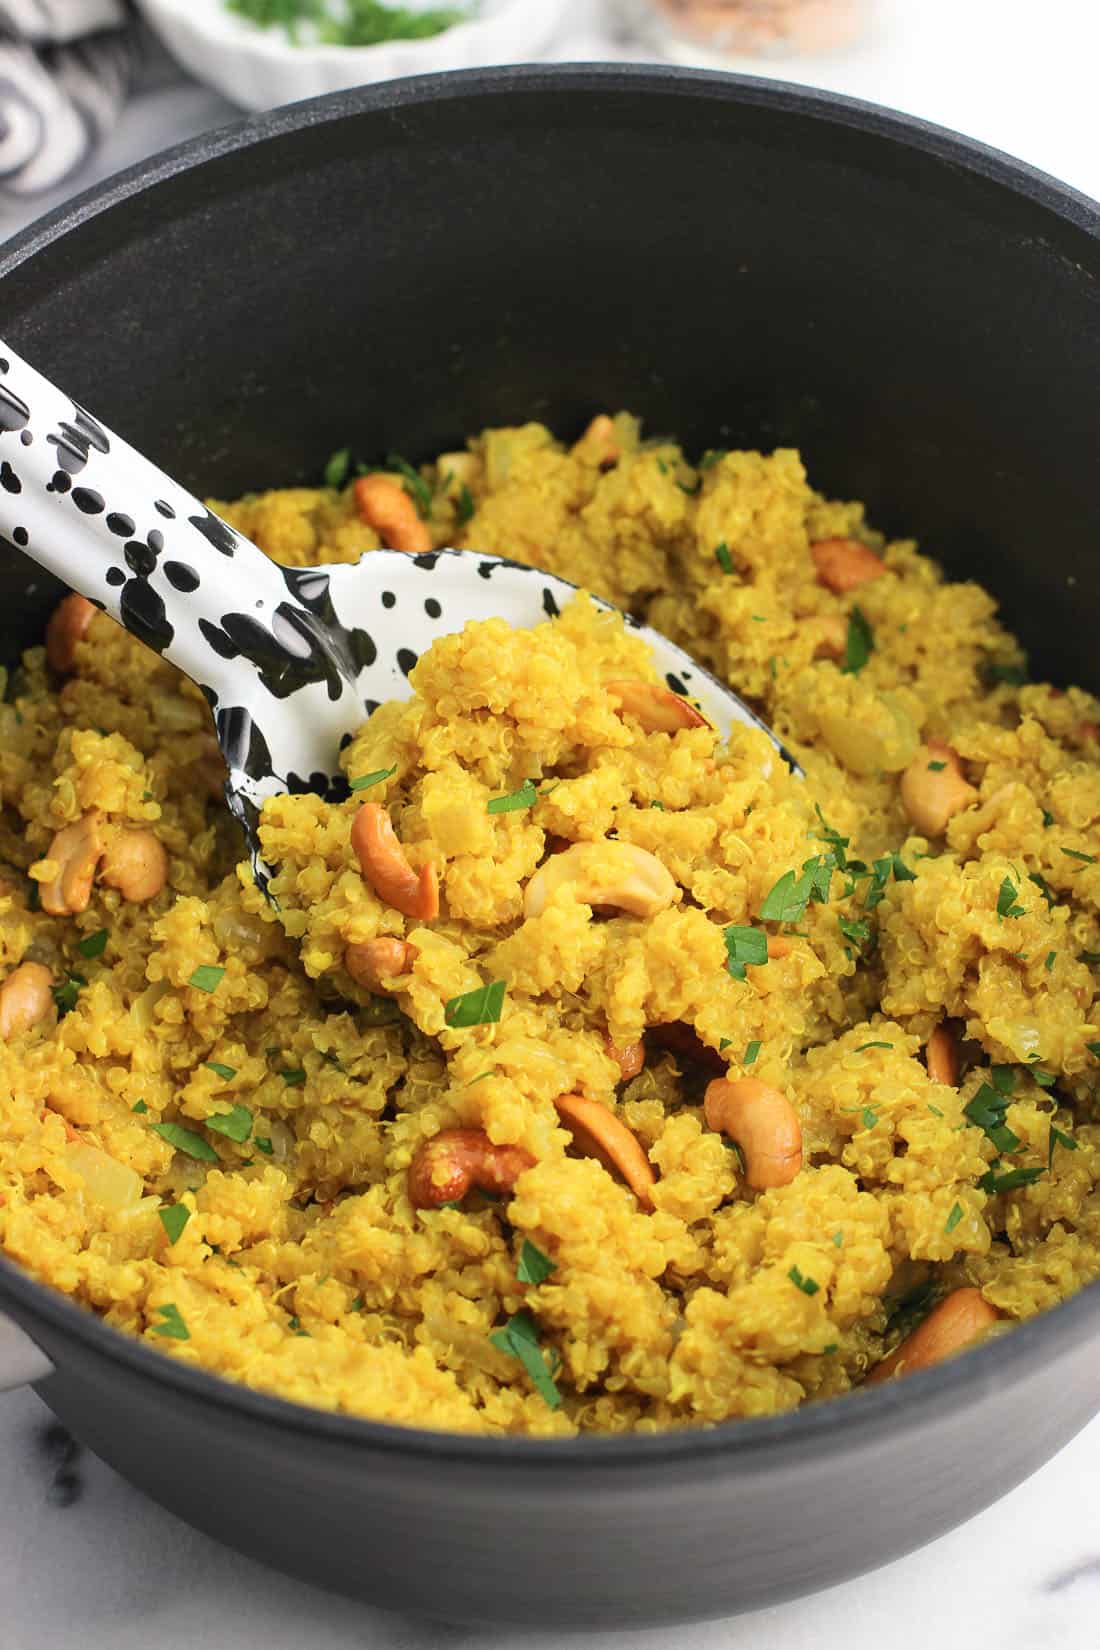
(744, 264)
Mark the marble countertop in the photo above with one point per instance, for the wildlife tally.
(86, 1563)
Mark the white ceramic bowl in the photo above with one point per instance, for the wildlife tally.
(260, 68)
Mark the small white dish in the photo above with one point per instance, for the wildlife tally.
(260, 68)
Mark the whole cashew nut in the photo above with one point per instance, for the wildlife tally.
(384, 505)
(604, 873)
(934, 788)
(369, 960)
(598, 1133)
(77, 850)
(136, 864)
(24, 999)
(951, 1326)
(941, 1056)
(68, 625)
(657, 709)
(845, 564)
(447, 1166)
(382, 861)
(762, 1122)
(629, 1057)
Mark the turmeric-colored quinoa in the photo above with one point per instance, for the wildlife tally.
(206, 1135)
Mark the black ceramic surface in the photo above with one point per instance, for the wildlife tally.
(740, 263)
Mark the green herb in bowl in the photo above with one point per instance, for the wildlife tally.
(349, 22)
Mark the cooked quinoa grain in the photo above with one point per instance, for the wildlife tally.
(589, 1074)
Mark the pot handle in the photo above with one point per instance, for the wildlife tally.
(22, 1362)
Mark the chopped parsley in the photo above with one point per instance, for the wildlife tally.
(293, 1076)
(1086, 859)
(525, 797)
(889, 864)
(935, 1110)
(336, 470)
(860, 643)
(1094, 1049)
(1049, 963)
(1048, 819)
(1045, 1079)
(838, 1240)
(1003, 1078)
(993, 1182)
(366, 780)
(480, 1007)
(93, 945)
(744, 945)
(533, 1266)
(868, 1117)
(1006, 900)
(1043, 886)
(987, 1112)
(236, 1125)
(862, 1046)
(207, 977)
(415, 485)
(712, 456)
(859, 932)
(954, 1217)
(658, 805)
(262, 1144)
(1016, 675)
(936, 767)
(691, 491)
(139, 1106)
(787, 901)
(65, 994)
(480, 1078)
(520, 1339)
(464, 505)
(174, 1219)
(227, 1073)
(186, 1141)
(749, 1057)
(723, 558)
(1058, 1137)
(808, 1286)
(1090, 957)
(171, 1324)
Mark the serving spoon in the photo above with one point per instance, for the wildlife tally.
(290, 659)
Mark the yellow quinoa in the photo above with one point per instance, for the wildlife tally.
(207, 1136)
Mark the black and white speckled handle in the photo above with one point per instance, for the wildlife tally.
(291, 660)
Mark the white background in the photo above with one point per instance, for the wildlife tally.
(112, 1572)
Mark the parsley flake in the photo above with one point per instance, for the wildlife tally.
(859, 932)
(65, 994)
(139, 1106)
(464, 505)
(862, 1046)
(954, 1217)
(749, 1057)
(993, 1182)
(723, 558)
(838, 1240)
(860, 643)
(935, 1110)
(987, 1112)
(1094, 1049)
(525, 797)
(1049, 963)
(1058, 1137)
(171, 1324)
(1048, 819)
(174, 1219)
(787, 901)
(186, 1141)
(293, 1076)
(1043, 886)
(366, 780)
(93, 945)
(262, 1144)
(808, 1286)
(415, 485)
(207, 977)
(480, 1007)
(1015, 675)
(226, 1073)
(1086, 859)
(936, 767)
(1090, 957)
(336, 470)
(533, 1266)
(1006, 900)
(743, 946)
(520, 1339)
(236, 1125)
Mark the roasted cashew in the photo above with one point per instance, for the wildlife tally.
(447, 1166)
(941, 1056)
(629, 1057)
(657, 709)
(601, 435)
(931, 795)
(24, 999)
(76, 849)
(604, 873)
(597, 1132)
(845, 564)
(384, 505)
(368, 961)
(68, 625)
(951, 1326)
(382, 861)
(763, 1123)
(136, 864)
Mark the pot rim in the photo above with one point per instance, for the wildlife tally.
(859, 1418)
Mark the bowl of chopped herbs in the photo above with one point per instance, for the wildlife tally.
(262, 53)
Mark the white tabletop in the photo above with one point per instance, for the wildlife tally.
(87, 1564)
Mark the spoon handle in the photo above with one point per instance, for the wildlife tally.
(81, 501)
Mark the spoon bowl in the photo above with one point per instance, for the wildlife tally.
(291, 660)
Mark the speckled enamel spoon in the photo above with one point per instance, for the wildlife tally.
(291, 660)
